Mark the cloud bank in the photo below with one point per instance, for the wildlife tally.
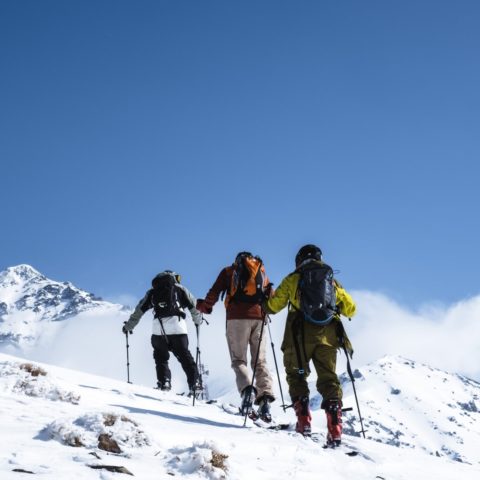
(446, 337)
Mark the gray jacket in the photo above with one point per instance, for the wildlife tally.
(175, 325)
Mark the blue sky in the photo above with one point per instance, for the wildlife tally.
(139, 136)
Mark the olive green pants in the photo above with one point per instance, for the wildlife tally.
(316, 347)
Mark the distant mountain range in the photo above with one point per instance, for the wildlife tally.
(30, 304)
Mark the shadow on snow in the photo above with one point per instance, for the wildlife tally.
(181, 418)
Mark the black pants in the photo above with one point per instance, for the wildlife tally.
(178, 345)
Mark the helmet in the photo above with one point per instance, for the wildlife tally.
(170, 273)
(242, 254)
(308, 252)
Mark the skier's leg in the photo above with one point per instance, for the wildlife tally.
(263, 378)
(325, 362)
(179, 347)
(238, 333)
(328, 385)
(161, 356)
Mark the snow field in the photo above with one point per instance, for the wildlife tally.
(165, 437)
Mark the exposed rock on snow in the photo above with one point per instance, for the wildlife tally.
(112, 468)
(106, 431)
(200, 457)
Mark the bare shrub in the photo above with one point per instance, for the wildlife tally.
(109, 419)
(33, 370)
(218, 460)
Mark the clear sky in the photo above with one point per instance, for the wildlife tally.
(139, 136)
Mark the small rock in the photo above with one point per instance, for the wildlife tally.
(107, 443)
(112, 468)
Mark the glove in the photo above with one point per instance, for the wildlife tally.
(203, 307)
(125, 329)
(268, 293)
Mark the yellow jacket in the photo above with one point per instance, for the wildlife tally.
(315, 334)
(288, 292)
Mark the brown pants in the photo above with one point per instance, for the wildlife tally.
(241, 334)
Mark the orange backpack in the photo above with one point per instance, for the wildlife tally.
(249, 280)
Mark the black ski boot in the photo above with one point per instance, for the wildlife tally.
(264, 408)
(165, 386)
(248, 396)
(196, 389)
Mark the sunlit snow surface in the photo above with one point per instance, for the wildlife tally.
(161, 435)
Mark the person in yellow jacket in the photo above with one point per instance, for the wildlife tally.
(314, 338)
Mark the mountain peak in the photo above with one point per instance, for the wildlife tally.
(21, 273)
(30, 300)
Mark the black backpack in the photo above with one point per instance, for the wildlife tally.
(165, 297)
(317, 293)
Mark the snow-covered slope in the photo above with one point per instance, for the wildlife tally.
(56, 421)
(412, 405)
(31, 305)
(405, 404)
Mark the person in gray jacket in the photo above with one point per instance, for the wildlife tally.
(168, 299)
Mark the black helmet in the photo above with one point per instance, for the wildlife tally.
(242, 254)
(164, 276)
(308, 252)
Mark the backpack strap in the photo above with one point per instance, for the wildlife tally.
(298, 333)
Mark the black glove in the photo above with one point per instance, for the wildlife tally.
(125, 330)
(268, 292)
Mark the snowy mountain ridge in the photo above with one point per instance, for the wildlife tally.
(412, 405)
(67, 424)
(30, 303)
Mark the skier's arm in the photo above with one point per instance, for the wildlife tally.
(220, 285)
(345, 302)
(282, 295)
(190, 302)
(143, 306)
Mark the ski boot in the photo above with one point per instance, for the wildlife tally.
(263, 411)
(304, 416)
(248, 395)
(165, 386)
(196, 389)
(333, 410)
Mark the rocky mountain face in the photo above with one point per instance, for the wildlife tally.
(30, 303)
(412, 405)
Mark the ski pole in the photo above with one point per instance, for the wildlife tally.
(340, 333)
(255, 366)
(275, 360)
(197, 363)
(350, 374)
(128, 358)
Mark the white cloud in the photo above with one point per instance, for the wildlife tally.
(446, 337)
